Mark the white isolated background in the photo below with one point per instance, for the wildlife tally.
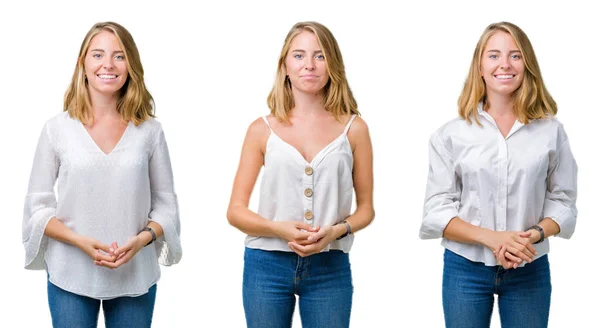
(210, 66)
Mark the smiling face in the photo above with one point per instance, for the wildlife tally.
(502, 66)
(105, 66)
(305, 64)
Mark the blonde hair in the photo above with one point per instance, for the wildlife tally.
(338, 97)
(531, 100)
(135, 102)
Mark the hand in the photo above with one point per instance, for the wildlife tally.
(316, 242)
(518, 246)
(124, 253)
(95, 249)
(501, 255)
(295, 231)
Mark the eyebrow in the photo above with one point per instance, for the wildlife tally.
(510, 52)
(300, 50)
(100, 50)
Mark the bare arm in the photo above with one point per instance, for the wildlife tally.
(238, 214)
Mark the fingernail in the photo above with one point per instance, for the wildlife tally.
(111, 250)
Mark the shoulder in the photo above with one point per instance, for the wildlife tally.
(550, 126)
(358, 128)
(151, 124)
(450, 128)
(258, 129)
(59, 120)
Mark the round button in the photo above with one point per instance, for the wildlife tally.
(308, 215)
(308, 170)
(308, 192)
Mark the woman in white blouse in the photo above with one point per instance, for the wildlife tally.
(110, 161)
(502, 179)
(316, 152)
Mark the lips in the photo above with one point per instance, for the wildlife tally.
(107, 76)
(504, 76)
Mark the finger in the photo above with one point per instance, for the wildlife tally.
(513, 258)
(506, 263)
(119, 251)
(124, 259)
(525, 234)
(107, 264)
(293, 247)
(305, 226)
(99, 256)
(316, 236)
(301, 249)
(520, 254)
(101, 246)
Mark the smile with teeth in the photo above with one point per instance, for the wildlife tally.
(504, 77)
(107, 76)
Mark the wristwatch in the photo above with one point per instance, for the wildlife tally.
(152, 233)
(348, 230)
(540, 230)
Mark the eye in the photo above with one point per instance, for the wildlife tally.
(494, 56)
(119, 57)
(298, 56)
(320, 57)
(516, 56)
(96, 55)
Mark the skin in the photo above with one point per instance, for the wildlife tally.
(502, 69)
(311, 128)
(104, 58)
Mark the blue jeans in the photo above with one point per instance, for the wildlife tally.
(71, 310)
(469, 287)
(323, 283)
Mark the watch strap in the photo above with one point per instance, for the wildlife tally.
(540, 230)
(152, 233)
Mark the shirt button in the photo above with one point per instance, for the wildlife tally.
(308, 192)
(308, 215)
(308, 170)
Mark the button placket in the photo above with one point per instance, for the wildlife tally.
(501, 208)
(307, 201)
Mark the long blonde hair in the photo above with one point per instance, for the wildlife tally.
(135, 102)
(531, 100)
(338, 96)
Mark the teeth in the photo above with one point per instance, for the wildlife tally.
(504, 77)
(107, 77)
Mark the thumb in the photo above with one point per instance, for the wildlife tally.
(317, 235)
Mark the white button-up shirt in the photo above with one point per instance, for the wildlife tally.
(497, 183)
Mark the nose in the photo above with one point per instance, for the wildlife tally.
(505, 64)
(310, 63)
(108, 62)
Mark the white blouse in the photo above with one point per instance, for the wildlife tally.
(109, 197)
(497, 183)
(318, 193)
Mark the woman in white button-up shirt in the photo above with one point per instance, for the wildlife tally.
(316, 153)
(109, 160)
(502, 179)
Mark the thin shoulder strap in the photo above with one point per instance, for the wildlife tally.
(349, 123)
(267, 122)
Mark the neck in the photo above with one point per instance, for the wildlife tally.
(308, 104)
(499, 105)
(103, 105)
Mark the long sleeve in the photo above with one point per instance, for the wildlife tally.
(164, 207)
(442, 192)
(40, 202)
(561, 193)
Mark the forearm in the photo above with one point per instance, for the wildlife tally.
(464, 232)
(146, 236)
(550, 228)
(360, 219)
(249, 222)
(57, 230)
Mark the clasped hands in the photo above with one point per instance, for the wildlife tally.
(111, 256)
(303, 238)
(511, 248)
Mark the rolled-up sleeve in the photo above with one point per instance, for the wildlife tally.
(561, 193)
(164, 207)
(40, 202)
(442, 192)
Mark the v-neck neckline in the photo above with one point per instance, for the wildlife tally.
(115, 147)
(317, 155)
